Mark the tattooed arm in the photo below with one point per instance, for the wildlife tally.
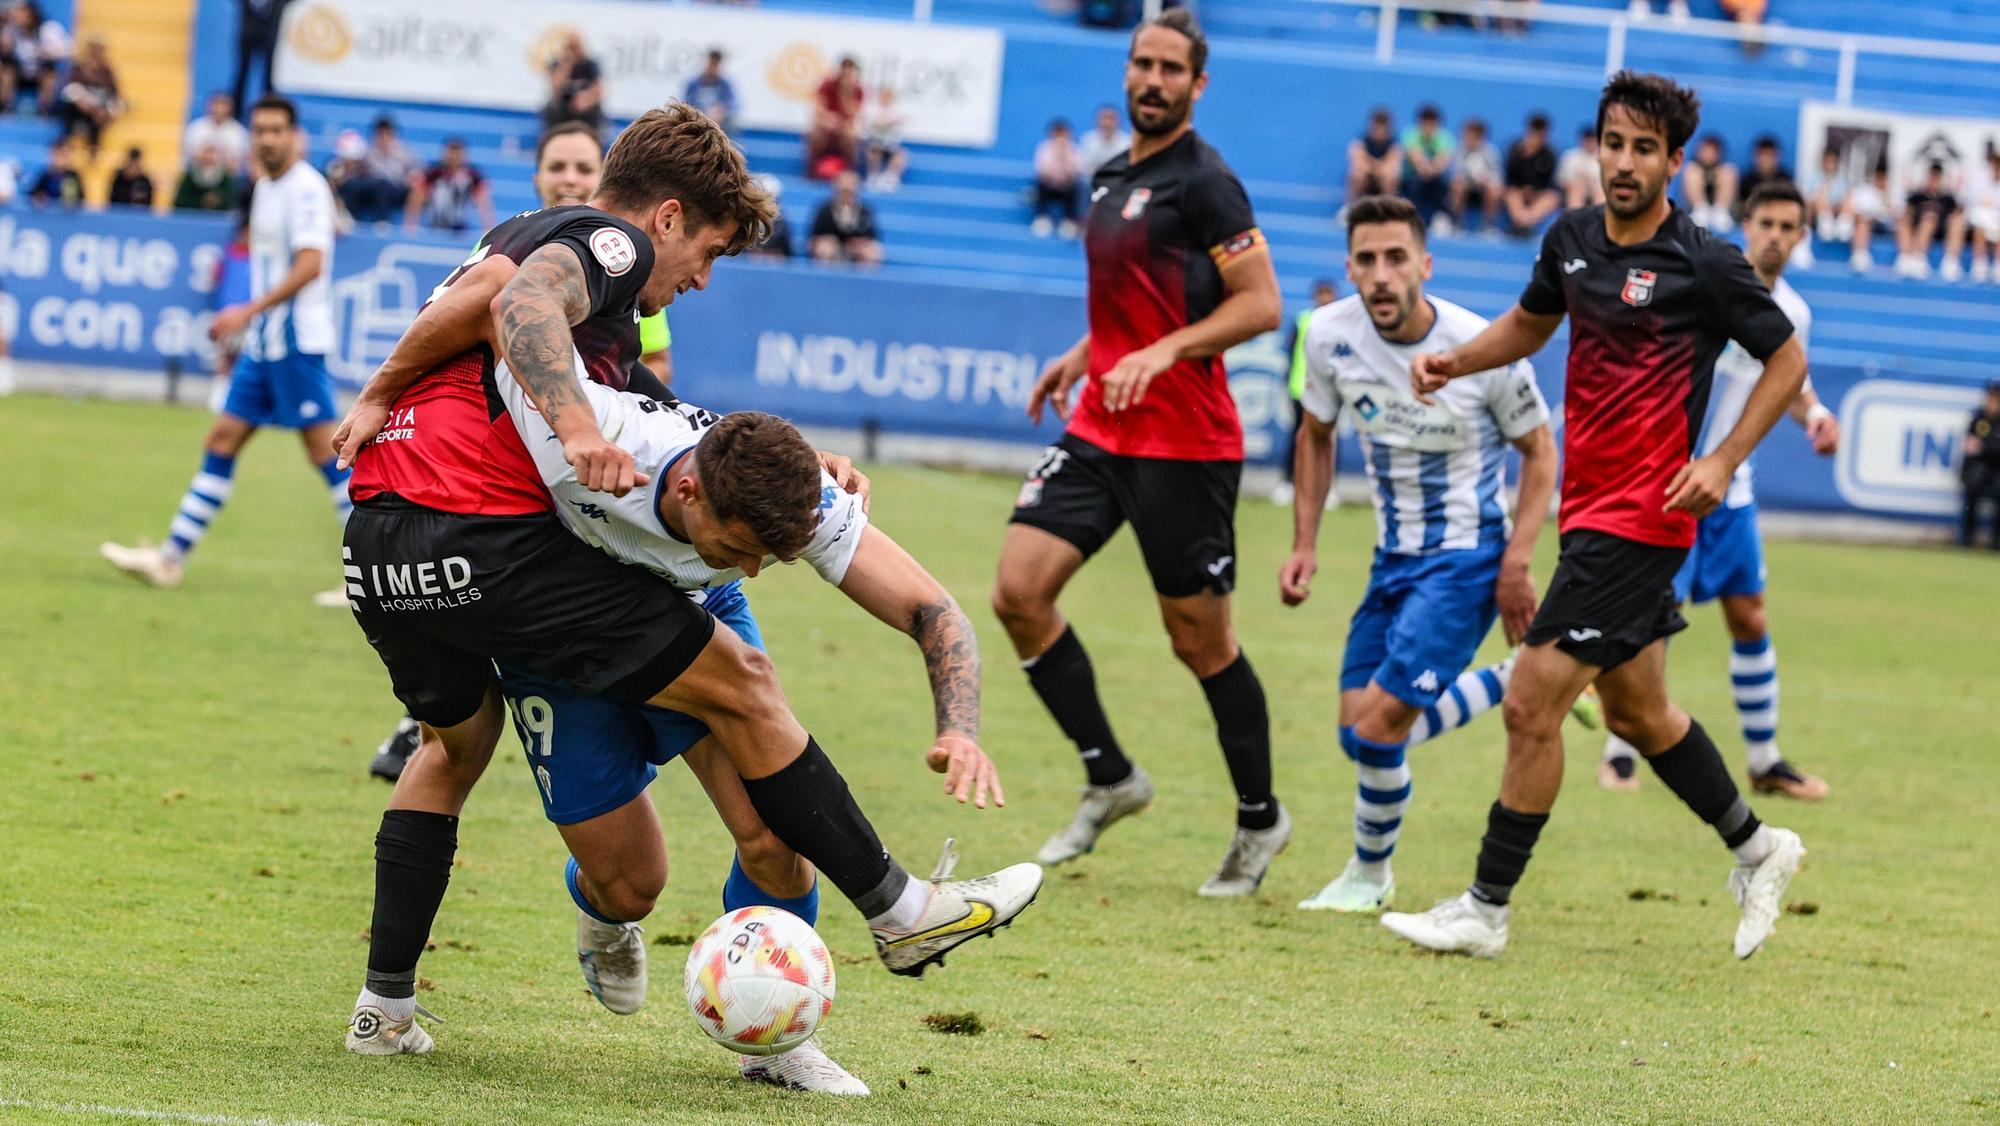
(887, 583)
(532, 317)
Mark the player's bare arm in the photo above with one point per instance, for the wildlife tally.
(1701, 484)
(305, 267)
(1057, 380)
(532, 317)
(1515, 590)
(1312, 479)
(1822, 428)
(885, 581)
(1515, 335)
(1253, 306)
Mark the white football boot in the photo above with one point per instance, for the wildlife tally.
(1759, 889)
(371, 1032)
(804, 1068)
(1100, 808)
(144, 562)
(1249, 857)
(1460, 925)
(1353, 891)
(958, 912)
(612, 957)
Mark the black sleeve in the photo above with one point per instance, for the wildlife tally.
(1544, 296)
(1742, 305)
(1219, 209)
(823, 223)
(615, 260)
(641, 380)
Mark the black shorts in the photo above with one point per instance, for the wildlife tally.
(1182, 512)
(1610, 598)
(443, 596)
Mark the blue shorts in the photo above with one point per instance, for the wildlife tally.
(591, 755)
(1421, 621)
(1727, 558)
(295, 391)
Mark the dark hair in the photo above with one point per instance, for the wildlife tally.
(677, 152)
(1428, 112)
(1325, 283)
(281, 104)
(1061, 123)
(1478, 123)
(1538, 122)
(1766, 141)
(758, 469)
(1384, 209)
(384, 121)
(567, 128)
(135, 153)
(715, 54)
(453, 142)
(1180, 20)
(1381, 114)
(1773, 191)
(1655, 100)
(1936, 168)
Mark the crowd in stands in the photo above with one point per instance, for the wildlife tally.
(1465, 183)
(1064, 164)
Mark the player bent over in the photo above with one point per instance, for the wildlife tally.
(1445, 563)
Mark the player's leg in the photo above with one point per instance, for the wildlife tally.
(1361, 885)
(207, 493)
(318, 442)
(1753, 678)
(616, 870)
(1700, 579)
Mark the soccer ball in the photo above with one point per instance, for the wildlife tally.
(759, 981)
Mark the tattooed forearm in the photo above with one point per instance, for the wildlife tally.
(951, 656)
(534, 313)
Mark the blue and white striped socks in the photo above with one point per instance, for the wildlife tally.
(1379, 801)
(1753, 676)
(206, 495)
(336, 488)
(1473, 694)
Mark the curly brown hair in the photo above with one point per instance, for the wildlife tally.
(677, 152)
(758, 469)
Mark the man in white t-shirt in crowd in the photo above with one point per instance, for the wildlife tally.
(1982, 215)
(1869, 205)
(1476, 182)
(1102, 143)
(218, 128)
(1577, 177)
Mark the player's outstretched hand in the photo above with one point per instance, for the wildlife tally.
(850, 479)
(1515, 594)
(1055, 383)
(968, 774)
(1296, 576)
(364, 420)
(1429, 371)
(1823, 431)
(1699, 486)
(1125, 384)
(601, 466)
(229, 321)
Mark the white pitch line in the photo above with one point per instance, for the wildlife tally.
(153, 1115)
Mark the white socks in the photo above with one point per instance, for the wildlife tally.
(395, 1008)
(908, 909)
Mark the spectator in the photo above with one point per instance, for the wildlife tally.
(1979, 471)
(379, 193)
(1826, 198)
(1426, 173)
(1531, 194)
(207, 184)
(576, 87)
(1982, 215)
(1476, 183)
(32, 53)
(58, 183)
(1708, 186)
(887, 158)
(845, 227)
(1058, 182)
(832, 138)
(258, 22)
(1324, 292)
(1929, 211)
(779, 243)
(1374, 160)
(711, 92)
(129, 183)
(90, 98)
(10, 182)
(445, 194)
(1577, 174)
(1869, 206)
(1101, 143)
(1677, 10)
(219, 128)
(1749, 17)
(349, 162)
(1766, 167)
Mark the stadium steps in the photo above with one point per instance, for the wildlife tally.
(148, 42)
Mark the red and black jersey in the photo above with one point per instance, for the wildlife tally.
(448, 444)
(1158, 233)
(1647, 322)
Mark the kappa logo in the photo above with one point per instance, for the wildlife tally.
(1342, 350)
(1575, 264)
(1585, 634)
(1428, 682)
(1367, 408)
(591, 512)
(1135, 204)
(613, 250)
(1638, 291)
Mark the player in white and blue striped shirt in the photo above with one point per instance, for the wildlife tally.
(1446, 560)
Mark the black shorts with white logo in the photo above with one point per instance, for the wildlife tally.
(442, 596)
(1182, 512)
(1610, 598)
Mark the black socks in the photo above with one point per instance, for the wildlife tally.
(1243, 726)
(1504, 851)
(1693, 769)
(413, 852)
(808, 806)
(1067, 684)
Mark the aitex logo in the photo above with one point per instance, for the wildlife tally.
(321, 33)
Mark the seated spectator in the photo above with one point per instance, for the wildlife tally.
(832, 138)
(1531, 194)
(447, 192)
(779, 243)
(1058, 182)
(90, 98)
(1677, 10)
(32, 53)
(207, 184)
(10, 182)
(58, 182)
(219, 128)
(349, 162)
(576, 87)
(883, 132)
(1868, 206)
(1766, 167)
(1426, 173)
(844, 229)
(1928, 212)
(1708, 187)
(1101, 143)
(1476, 182)
(1982, 215)
(711, 92)
(1374, 159)
(129, 183)
(379, 193)
(1577, 175)
(1826, 198)
(1979, 468)
(1749, 17)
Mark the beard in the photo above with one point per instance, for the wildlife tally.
(1643, 200)
(1172, 115)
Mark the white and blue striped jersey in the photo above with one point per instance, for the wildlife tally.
(1437, 470)
(290, 213)
(1736, 372)
(630, 528)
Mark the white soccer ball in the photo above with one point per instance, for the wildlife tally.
(759, 981)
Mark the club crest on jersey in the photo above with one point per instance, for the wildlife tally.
(1638, 289)
(613, 250)
(1366, 407)
(1135, 204)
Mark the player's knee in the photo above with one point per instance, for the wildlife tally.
(629, 898)
(1018, 605)
(1747, 623)
(1528, 713)
(1643, 728)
